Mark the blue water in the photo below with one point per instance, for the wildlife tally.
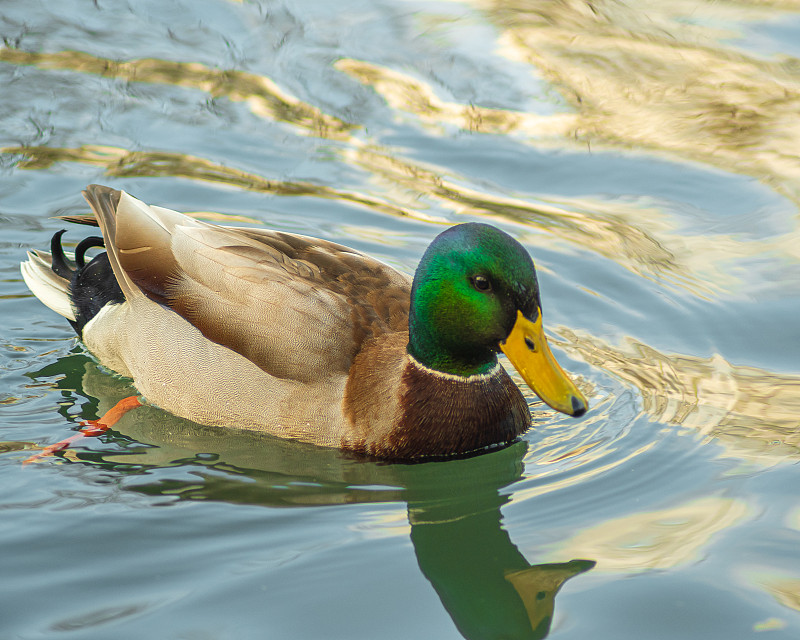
(647, 158)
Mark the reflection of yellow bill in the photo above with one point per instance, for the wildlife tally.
(527, 348)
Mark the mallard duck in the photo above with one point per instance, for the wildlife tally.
(308, 339)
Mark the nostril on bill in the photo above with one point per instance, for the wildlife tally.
(578, 407)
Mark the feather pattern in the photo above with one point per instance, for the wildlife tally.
(46, 284)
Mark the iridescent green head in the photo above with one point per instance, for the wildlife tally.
(475, 293)
(464, 300)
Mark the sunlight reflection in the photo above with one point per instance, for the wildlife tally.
(657, 78)
(577, 476)
(785, 590)
(752, 412)
(264, 98)
(656, 539)
(404, 93)
(122, 163)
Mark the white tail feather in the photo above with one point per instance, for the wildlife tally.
(50, 288)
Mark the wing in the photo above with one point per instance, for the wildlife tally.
(299, 308)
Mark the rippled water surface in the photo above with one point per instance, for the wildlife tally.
(646, 153)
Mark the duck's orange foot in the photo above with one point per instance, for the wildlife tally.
(92, 428)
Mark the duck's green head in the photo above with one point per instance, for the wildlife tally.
(475, 293)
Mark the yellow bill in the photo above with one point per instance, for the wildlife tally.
(527, 348)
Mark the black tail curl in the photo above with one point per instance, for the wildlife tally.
(93, 285)
(84, 245)
(61, 264)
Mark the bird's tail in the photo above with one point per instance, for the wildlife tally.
(48, 278)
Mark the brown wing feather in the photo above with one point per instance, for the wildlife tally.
(104, 202)
(297, 307)
(81, 218)
(378, 295)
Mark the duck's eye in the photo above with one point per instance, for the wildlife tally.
(481, 283)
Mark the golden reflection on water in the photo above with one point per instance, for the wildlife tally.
(754, 413)
(647, 77)
(264, 98)
(794, 520)
(656, 539)
(785, 590)
(405, 93)
(121, 163)
(650, 75)
(579, 476)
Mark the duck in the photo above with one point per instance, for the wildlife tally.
(307, 339)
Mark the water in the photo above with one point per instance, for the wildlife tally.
(645, 153)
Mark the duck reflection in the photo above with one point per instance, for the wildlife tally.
(486, 585)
